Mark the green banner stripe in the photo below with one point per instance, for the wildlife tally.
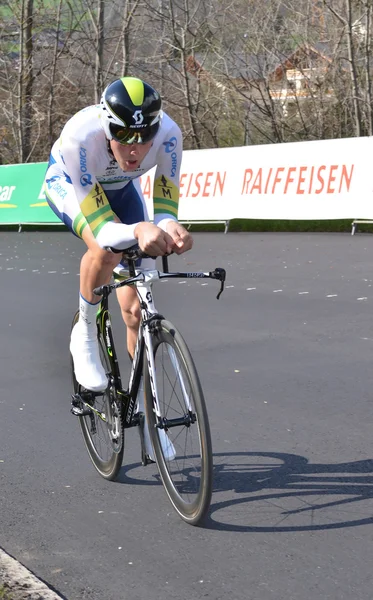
(23, 198)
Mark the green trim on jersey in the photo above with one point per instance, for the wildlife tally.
(96, 230)
(79, 224)
(135, 89)
(99, 213)
(112, 182)
(165, 206)
(96, 209)
(165, 196)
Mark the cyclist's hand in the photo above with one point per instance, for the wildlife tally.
(181, 237)
(153, 240)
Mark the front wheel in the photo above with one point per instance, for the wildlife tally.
(102, 427)
(180, 434)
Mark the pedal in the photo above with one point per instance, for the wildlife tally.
(76, 407)
(80, 412)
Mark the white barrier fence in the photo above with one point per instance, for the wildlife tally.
(329, 179)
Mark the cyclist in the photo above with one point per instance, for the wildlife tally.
(92, 185)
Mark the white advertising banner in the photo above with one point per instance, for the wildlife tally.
(329, 179)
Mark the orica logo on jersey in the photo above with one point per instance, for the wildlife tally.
(52, 180)
(86, 179)
(173, 164)
(83, 159)
(170, 145)
(53, 184)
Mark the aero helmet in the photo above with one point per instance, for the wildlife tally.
(131, 111)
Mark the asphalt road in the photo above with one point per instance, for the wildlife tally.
(285, 358)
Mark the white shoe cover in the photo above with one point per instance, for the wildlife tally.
(168, 448)
(89, 371)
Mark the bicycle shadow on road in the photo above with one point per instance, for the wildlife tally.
(284, 492)
(136, 474)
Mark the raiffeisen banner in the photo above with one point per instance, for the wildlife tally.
(330, 179)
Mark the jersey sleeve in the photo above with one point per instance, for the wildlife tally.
(167, 178)
(79, 159)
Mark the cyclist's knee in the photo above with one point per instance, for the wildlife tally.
(131, 315)
(102, 257)
(130, 307)
(97, 254)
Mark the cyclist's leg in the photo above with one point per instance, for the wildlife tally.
(130, 309)
(130, 207)
(96, 268)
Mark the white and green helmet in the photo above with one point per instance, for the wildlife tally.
(131, 111)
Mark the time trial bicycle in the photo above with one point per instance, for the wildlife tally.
(174, 406)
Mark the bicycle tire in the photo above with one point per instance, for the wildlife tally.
(108, 466)
(189, 487)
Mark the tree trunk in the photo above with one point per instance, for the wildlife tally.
(25, 81)
(99, 50)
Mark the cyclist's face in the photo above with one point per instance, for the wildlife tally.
(129, 157)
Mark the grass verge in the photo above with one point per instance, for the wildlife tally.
(5, 594)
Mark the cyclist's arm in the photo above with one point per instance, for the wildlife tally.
(167, 181)
(81, 164)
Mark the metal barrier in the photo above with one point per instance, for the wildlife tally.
(190, 223)
(355, 223)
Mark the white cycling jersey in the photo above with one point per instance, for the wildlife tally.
(84, 180)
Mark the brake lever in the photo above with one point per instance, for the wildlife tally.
(219, 274)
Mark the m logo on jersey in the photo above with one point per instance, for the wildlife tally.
(166, 187)
(170, 145)
(138, 117)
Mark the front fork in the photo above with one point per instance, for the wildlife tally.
(149, 314)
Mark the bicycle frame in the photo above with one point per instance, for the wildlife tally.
(143, 280)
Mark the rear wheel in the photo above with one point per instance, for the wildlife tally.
(102, 427)
(183, 447)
